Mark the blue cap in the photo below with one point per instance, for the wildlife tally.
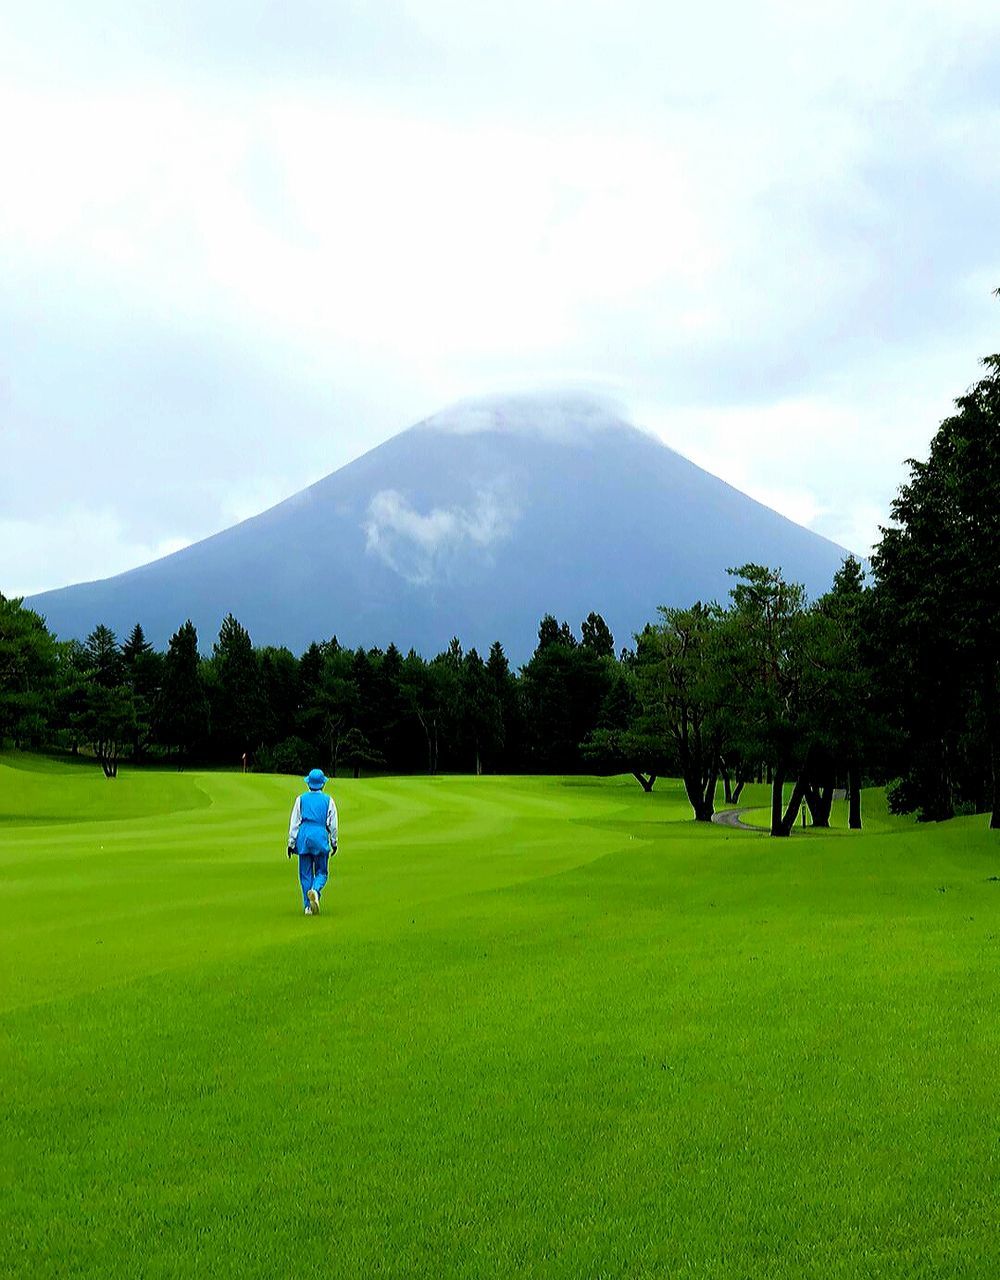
(315, 780)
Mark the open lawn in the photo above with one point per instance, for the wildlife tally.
(544, 1027)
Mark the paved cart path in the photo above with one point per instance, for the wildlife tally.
(734, 818)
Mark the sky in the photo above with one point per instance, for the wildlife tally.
(242, 244)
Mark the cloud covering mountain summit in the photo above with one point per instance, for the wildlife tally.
(567, 416)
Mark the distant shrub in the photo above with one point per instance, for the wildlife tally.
(900, 798)
(292, 755)
(929, 802)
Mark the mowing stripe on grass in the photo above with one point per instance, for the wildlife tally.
(543, 1027)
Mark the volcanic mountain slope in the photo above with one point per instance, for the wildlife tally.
(473, 523)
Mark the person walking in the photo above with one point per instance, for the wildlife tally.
(312, 834)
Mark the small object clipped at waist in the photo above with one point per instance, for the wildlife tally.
(292, 848)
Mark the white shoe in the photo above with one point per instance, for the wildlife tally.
(309, 911)
(313, 897)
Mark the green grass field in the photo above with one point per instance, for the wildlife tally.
(544, 1027)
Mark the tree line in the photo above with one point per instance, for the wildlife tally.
(350, 709)
(896, 680)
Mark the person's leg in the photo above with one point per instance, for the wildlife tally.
(305, 876)
(319, 880)
(322, 868)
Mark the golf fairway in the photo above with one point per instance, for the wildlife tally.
(543, 1027)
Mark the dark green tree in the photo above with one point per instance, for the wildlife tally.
(624, 739)
(938, 594)
(136, 646)
(106, 662)
(762, 663)
(390, 725)
(596, 635)
(338, 701)
(181, 714)
(504, 687)
(358, 753)
(682, 700)
(71, 692)
(142, 674)
(310, 668)
(279, 687)
(849, 725)
(101, 702)
(552, 632)
(481, 711)
(446, 675)
(430, 691)
(564, 686)
(108, 723)
(28, 674)
(237, 696)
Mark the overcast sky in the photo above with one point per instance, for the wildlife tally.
(242, 243)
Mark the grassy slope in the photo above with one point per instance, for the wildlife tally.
(544, 1028)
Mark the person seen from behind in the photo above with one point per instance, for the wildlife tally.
(312, 834)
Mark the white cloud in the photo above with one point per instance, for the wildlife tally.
(391, 231)
(85, 544)
(857, 528)
(420, 546)
(565, 416)
(821, 463)
(251, 499)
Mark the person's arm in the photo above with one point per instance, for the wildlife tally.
(331, 824)
(294, 823)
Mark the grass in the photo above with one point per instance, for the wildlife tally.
(544, 1027)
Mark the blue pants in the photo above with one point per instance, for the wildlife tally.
(313, 868)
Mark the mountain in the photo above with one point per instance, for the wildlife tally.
(473, 523)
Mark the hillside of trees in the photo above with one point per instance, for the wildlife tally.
(894, 681)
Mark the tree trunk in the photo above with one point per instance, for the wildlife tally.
(701, 795)
(427, 738)
(692, 786)
(995, 799)
(708, 797)
(854, 796)
(777, 798)
(818, 779)
(819, 801)
(786, 820)
(992, 723)
(644, 780)
(735, 782)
